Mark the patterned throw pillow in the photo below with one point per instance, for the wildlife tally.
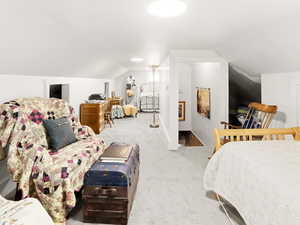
(60, 133)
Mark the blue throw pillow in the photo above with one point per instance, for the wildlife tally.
(60, 133)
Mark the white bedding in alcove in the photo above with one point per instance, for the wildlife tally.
(261, 179)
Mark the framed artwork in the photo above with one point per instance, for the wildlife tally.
(203, 102)
(181, 110)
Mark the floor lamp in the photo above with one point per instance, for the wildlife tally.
(154, 123)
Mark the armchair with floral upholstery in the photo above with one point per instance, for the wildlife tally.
(40, 172)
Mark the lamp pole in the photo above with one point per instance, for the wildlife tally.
(154, 123)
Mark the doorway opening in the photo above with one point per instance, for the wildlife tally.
(187, 138)
(60, 91)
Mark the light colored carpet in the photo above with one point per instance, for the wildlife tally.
(170, 190)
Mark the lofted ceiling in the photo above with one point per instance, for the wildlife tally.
(96, 38)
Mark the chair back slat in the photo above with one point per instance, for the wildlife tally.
(259, 116)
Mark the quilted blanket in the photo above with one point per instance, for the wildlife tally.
(51, 176)
(260, 178)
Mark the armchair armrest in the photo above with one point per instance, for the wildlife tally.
(82, 132)
(230, 126)
(27, 157)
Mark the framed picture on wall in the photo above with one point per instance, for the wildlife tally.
(203, 102)
(181, 110)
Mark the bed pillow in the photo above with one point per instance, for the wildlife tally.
(60, 133)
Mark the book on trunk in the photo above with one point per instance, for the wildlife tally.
(116, 153)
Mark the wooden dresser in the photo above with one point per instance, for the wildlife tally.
(92, 115)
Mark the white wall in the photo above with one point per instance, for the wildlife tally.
(12, 87)
(15, 86)
(283, 90)
(176, 84)
(166, 104)
(213, 75)
(184, 76)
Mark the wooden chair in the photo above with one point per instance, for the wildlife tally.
(108, 115)
(258, 116)
(108, 119)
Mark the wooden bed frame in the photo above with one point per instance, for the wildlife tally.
(223, 136)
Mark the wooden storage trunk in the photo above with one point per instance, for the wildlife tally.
(109, 191)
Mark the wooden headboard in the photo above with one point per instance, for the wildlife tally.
(223, 136)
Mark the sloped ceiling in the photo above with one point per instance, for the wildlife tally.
(96, 38)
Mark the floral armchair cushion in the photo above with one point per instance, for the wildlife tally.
(50, 176)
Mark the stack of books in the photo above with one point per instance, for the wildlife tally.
(116, 153)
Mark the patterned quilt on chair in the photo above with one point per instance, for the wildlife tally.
(51, 176)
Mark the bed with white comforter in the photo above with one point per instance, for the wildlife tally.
(261, 179)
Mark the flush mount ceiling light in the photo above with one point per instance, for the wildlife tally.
(136, 59)
(166, 8)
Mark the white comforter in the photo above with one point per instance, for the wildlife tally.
(25, 212)
(261, 179)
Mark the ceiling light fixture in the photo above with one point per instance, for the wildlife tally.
(166, 8)
(136, 59)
